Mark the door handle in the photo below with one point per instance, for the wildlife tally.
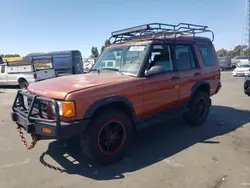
(175, 78)
(197, 73)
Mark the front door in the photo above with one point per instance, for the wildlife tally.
(161, 92)
(188, 68)
(3, 77)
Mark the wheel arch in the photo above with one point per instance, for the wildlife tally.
(119, 102)
(202, 85)
(21, 79)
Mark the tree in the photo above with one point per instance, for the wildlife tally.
(239, 50)
(94, 52)
(102, 49)
(246, 51)
(1, 55)
(222, 52)
(106, 43)
(11, 55)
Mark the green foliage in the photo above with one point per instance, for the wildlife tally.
(94, 52)
(11, 55)
(106, 43)
(222, 52)
(237, 51)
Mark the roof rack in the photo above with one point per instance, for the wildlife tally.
(158, 31)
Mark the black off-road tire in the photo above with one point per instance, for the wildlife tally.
(90, 140)
(191, 117)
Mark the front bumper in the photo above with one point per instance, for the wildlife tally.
(44, 128)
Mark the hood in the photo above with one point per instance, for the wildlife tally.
(59, 87)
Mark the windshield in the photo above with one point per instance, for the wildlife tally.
(244, 66)
(125, 59)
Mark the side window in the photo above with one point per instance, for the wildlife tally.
(3, 69)
(161, 56)
(208, 55)
(184, 58)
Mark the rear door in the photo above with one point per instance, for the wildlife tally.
(43, 69)
(188, 69)
(209, 65)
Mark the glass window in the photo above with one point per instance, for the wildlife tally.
(208, 55)
(184, 57)
(160, 56)
(244, 66)
(3, 69)
(125, 59)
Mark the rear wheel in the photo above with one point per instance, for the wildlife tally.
(198, 109)
(108, 137)
(23, 84)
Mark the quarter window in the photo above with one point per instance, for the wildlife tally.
(208, 55)
(184, 57)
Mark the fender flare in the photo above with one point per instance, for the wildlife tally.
(109, 100)
(197, 85)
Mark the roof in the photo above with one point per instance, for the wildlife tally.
(65, 52)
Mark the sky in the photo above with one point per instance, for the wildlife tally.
(51, 25)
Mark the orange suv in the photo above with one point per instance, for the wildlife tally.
(147, 74)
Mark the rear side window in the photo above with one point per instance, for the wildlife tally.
(3, 69)
(208, 55)
(184, 58)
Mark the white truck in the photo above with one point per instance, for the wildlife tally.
(22, 73)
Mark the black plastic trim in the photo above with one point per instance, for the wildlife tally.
(109, 100)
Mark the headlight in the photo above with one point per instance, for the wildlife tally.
(66, 109)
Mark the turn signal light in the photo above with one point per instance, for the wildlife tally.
(67, 109)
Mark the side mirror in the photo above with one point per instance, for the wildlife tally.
(155, 70)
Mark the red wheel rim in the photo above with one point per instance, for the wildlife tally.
(111, 137)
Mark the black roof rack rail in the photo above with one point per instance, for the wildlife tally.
(158, 31)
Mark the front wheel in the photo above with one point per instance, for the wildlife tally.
(198, 109)
(108, 137)
(23, 84)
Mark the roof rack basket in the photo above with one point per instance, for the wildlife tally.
(158, 31)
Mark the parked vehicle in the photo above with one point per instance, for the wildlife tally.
(241, 70)
(10, 59)
(87, 64)
(159, 75)
(239, 59)
(247, 85)
(22, 73)
(225, 62)
(65, 62)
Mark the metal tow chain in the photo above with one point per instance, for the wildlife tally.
(23, 139)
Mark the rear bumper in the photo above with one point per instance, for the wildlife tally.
(218, 87)
(37, 125)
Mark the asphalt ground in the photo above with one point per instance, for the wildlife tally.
(170, 154)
